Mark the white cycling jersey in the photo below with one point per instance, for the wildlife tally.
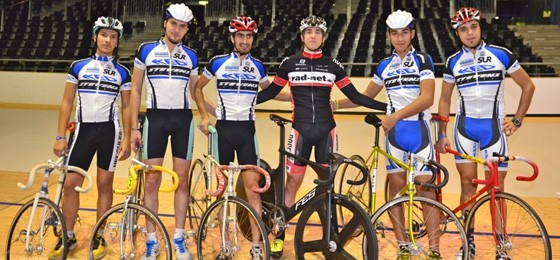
(237, 84)
(166, 74)
(479, 78)
(401, 79)
(99, 81)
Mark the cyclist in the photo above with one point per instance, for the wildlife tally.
(97, 81)
(311, 76)
(238, 77)
(170, 71)
(478, 70)
(408, 77)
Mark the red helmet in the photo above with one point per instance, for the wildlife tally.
(243, 23)
(464, 15)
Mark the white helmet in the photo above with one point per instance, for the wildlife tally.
(180, 12)
(313, 21)
(400, 19)
(109, 23)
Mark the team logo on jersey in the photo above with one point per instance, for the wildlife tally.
(169, 61)
(402, 71)
(466, 62)
(97, 77)
(109, 72)
(238, 76)
(179, 56)
(484, 59)
(408, 63)
(302, 61)
(473, 69)
(161, 54)
(249, 69)
(322, 77)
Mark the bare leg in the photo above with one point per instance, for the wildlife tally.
(71, 199)
(251, 179)
(397, 181)
(152, 184)
(181, 167)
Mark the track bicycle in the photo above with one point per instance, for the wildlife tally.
(319, 228)
(39, 223)
(122, 225)
(426, 221)
(220, 234)
(200, 180)
(506, 226)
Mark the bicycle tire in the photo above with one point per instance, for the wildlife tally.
(198, 200)
(342, 243)
(114, 230)
(361, 194)
(15, 245)
(450, 230)
(210, 244)
(527, 235)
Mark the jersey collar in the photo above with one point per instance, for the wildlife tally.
(313, 54)
(236, 55)
(102, 58)
(480, 47)
(412, 51)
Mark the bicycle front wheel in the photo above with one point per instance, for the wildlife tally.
(126, 237)
(430, 226)
(220, 235)
(198, 200)
(519, 230)
(47, 225)
(361, 194)
(320, 232)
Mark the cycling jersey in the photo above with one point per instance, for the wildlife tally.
(401, 79)
(480, 79)
(237, 85)
(311, 77)
(99, 81)
(167, 74)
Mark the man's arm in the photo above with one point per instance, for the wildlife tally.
(124, 152)
(361, 99)
(371, 91)
(281, 96)
(268, 93)
(201, 103)
(527, 90)
(135, 96)
(64, 117)
(444, 108)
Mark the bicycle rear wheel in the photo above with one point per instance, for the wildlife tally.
(198, 202)
(315, 223)
(525, 234)
(445, 233)
(126, 239)
(47, 225)
(213, 243)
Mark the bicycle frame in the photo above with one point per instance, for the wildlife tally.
(324, 183)
(492, 184)
(409, 189)
(60, 164)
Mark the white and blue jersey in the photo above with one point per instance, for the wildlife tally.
(237, 85)
(99, 81)
(480, 79)
(401, 79)
(167, 74)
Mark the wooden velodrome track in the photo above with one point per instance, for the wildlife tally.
(27, 139)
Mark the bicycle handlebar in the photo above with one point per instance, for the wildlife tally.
(337, 160)
(430, 184)
(212, 129)
(503, 158)
(133, 177)
(59, 165)
(232, 168)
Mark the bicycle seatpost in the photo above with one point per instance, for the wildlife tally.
(374, 120)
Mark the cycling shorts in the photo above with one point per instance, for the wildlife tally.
(89, 138)
(160, 124)
(410, 136)
(480, 134)
(237, 136)
(304, 137)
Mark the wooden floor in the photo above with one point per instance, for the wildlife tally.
(27, 139)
